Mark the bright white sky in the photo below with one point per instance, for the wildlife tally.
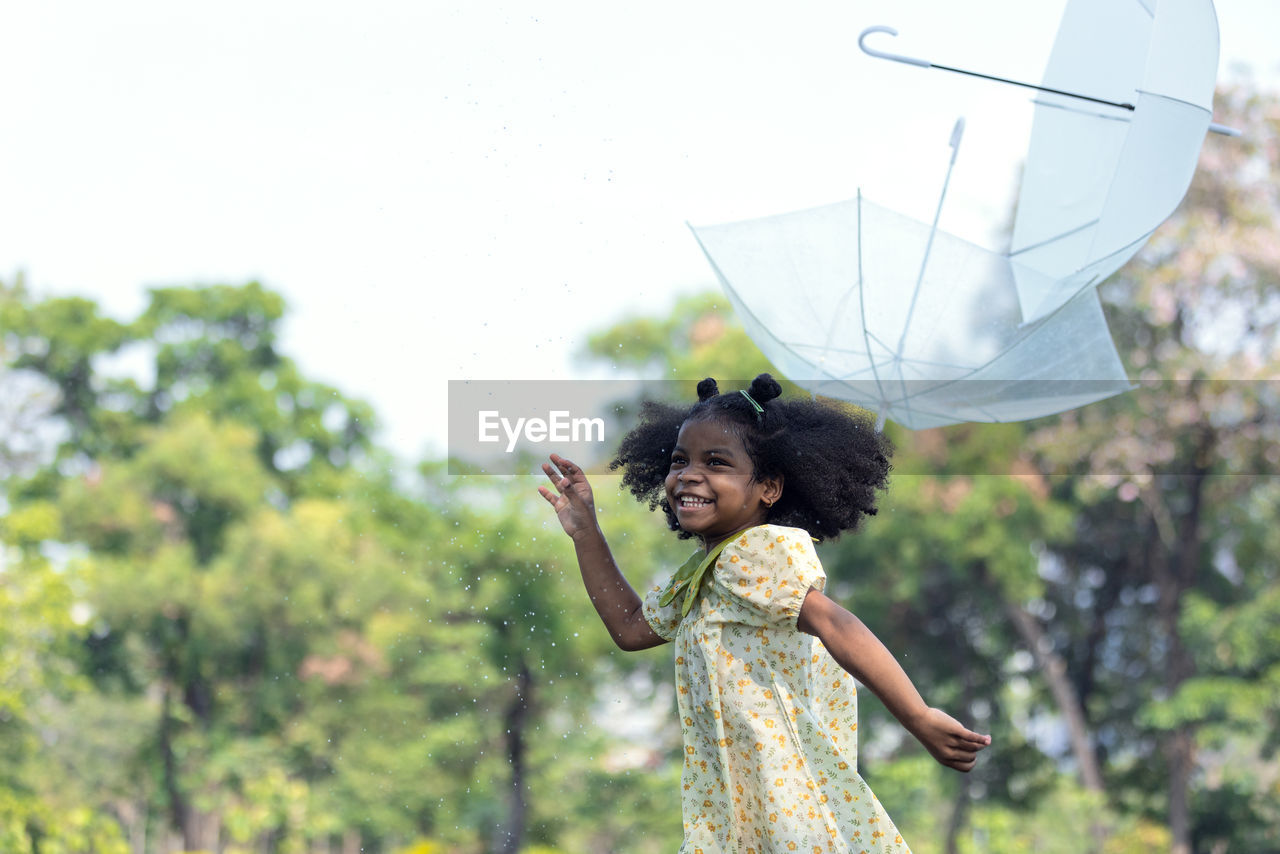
(448, 190)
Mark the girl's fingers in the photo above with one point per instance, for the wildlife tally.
(552, 475)
(969, 739)
(961, 750)
(563, 474)
(566, 466)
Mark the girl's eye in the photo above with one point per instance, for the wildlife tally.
(716, 461)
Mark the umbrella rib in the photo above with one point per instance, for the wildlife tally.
(852, 376)
(933, 230)
(801, 346)
(844, 298)
(808, 299)
(1056, 237)
(724, 281)
(928, 364)
(1020, 339)
(956, 134)
(1174, 100)
(831, 330)
(995, 419)
(793, 346)
(866, 333)
(916, 361)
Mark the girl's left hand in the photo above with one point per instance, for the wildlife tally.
(950, 742)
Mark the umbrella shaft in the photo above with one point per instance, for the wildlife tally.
(928, 246)
(1129, 107)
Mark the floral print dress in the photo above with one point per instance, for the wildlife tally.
(769, 718)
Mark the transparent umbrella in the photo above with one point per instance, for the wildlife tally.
(855, 301)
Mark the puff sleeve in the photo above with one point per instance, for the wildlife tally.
(663, 619)
(765, 574)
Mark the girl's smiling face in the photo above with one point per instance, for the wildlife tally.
(711, 485)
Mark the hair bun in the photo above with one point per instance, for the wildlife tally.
(707, 389)
(764, 388)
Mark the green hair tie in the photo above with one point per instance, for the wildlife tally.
(757, 407)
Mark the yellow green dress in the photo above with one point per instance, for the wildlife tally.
(770, 719)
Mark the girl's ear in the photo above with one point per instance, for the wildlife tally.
(772, 490)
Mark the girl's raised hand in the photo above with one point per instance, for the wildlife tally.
(574, 505)
(950, 742)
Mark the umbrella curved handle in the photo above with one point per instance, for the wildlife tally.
(896, 57)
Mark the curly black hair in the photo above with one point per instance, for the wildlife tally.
(830, 457)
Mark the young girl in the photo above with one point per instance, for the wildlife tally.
(762, 656)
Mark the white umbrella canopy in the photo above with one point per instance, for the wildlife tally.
(855, 301)
(852, 300)
(1099, 179)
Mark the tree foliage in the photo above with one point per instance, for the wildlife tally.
(233, 626)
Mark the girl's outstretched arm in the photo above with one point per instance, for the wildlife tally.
(614, 599)
(860, 652)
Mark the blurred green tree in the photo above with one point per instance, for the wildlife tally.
(1160, 477)
(286, 643)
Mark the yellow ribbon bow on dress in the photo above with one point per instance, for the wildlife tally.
(689, 577)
